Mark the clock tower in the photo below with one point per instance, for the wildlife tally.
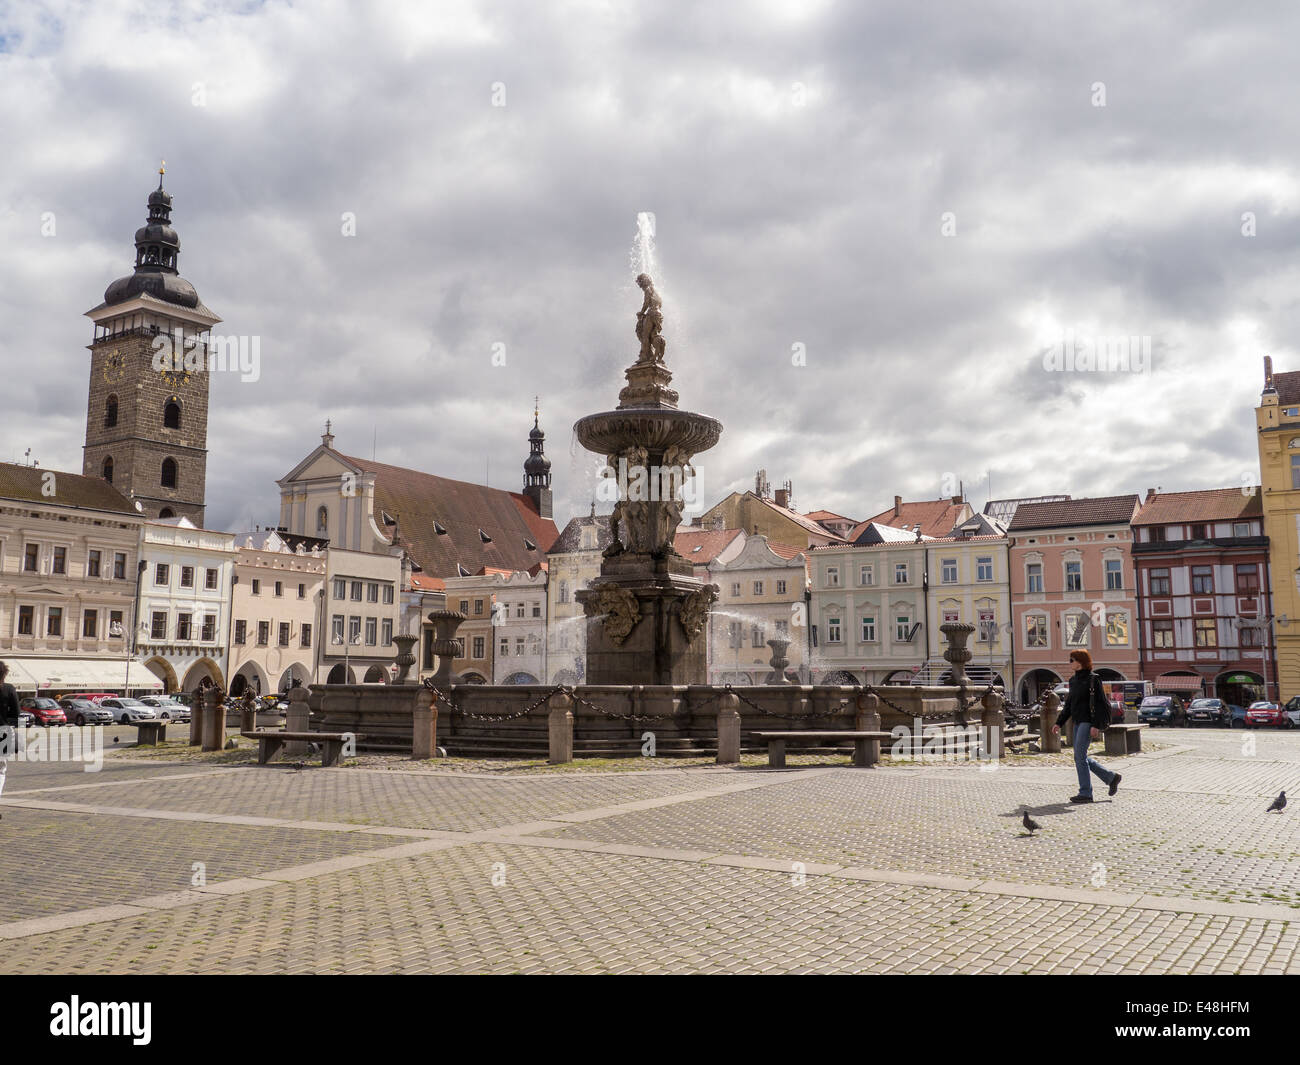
(147, 416)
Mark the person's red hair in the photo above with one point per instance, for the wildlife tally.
(1083, 658)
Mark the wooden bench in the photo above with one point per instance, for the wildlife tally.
(1124, 739)
(150, 733)
(269, 743)
(863, 752)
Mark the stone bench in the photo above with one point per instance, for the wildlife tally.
(150, 733)
(1124, 739)
(269, 743)
(863, 751)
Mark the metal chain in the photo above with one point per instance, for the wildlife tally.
(615, 714)
(784, 717)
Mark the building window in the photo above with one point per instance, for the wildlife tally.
(519, 609)
(305, 636)
(166, 512)
(734, 638)
(564, 594)
(1157, 534)
(263, 633)
(1251, 636)
(279, 589)
(866, 575)
(388, 594)
(1116, 629)
(187, 576)
(183, 627)
(31, 558)
(900, 573)
(336, 628)
(782, 627)
(519, 647)
(119, 566)
(110, 415)
(479, 646)
(1247, 579)
(464, 606)
(505, 647)
(25, 618)
(354, 630)
(984, 568)
(478, 606)
(210, 577)
(107, 469)
(340, 588)
(735, 590)
(987, 627)
(1160, 582)
(302, 591)
(172, 415)
(372, 592)
(537, 610)
(283, 640)
(241, 632)
(1074, 576)
(1114, 575)
(387, 631)
(868, 630)
(1163, 632)
(832, 576)
(832, 630)
(1207, 633)
(1202, 580)
(92, 564)
(1035, 630)
(158, 625)
(372, 632)
(951, 616)
(209, 628)
(1198, 532)
(257, 586)
(162, 574)
(1034, 577)
(54, 621)
(903, 628)
(168, 479)
(756, 636)
(758, 587)
(1241, 528)
(90, 624)
(356, 591)
(59, 564)
(115, 624)
(949, 571)
(1076, 629)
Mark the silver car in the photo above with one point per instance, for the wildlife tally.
(129, 711)
(167, 709)
(84, 712)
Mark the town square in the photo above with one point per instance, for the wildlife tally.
(499, 489)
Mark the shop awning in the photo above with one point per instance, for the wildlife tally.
(80, 674)
(1172, 682)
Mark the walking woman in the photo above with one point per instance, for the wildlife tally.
(1087, 706)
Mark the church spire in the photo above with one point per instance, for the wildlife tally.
(537, 467)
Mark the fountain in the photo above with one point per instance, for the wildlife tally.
(646, 614)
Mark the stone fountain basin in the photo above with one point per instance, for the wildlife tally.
(653, 428)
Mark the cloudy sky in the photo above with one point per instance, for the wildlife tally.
(874, 224)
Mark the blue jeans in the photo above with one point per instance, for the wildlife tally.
(1082, 734)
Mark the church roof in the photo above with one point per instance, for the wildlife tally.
(481, 527)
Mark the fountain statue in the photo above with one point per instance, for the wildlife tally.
(646, 613)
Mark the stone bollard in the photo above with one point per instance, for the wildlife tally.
(728, 729)
(297, 719)
(559, 727)
(992, 724)
(213, 736)
(198, 714)
(425, 735)
(867, 719)
(1048, 741)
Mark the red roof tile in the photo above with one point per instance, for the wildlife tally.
(1103, 510)
(710, 542)
(935, 516)
(1211, 504)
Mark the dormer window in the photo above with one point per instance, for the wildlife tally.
(462, 570)
(437, 528)
(529, 545)
(484, 537)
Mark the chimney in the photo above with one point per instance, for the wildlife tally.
(1151, 494)
(898, 505)
(783, 497)
(957, 500)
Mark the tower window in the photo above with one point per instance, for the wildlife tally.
(108, 470)
(166, 512)
(172, 415)
(110, 412)
(169, 473)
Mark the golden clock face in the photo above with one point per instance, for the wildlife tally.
(175, 378)
(114, 366)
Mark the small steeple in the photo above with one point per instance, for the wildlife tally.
(157, 253)
(537, 467)
(327, 438)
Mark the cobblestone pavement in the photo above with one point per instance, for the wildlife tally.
(827, 869)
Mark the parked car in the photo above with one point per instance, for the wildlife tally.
(46, 711)
(168, 709)
(1161, 710)
(129, 711)
(26, 719)
(1208, 711)
(83, 712)
(90, 697)
(1292, 710)
(1238, 715)
(1263, 713)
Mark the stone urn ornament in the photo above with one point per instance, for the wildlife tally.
(404, 659)
(779, 661)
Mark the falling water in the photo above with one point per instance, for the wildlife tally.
(642, 256)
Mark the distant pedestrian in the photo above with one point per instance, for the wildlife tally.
(1089, 708)
(8, 723)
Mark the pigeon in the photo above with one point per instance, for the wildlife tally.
(299, 766)
(1029, 822)
(1278, 803)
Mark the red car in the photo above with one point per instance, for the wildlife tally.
(46, 711)
(1263, 713)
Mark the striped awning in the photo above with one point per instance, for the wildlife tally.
(80, 674)
(1173, 682)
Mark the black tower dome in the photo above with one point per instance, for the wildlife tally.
(157, 247)
(537, 469)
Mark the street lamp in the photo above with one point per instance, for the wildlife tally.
(354, 641)
(1263, 626)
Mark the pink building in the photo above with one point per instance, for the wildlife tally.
(1072, 587)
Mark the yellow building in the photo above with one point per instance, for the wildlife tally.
(759, 514)
(1278, 420)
